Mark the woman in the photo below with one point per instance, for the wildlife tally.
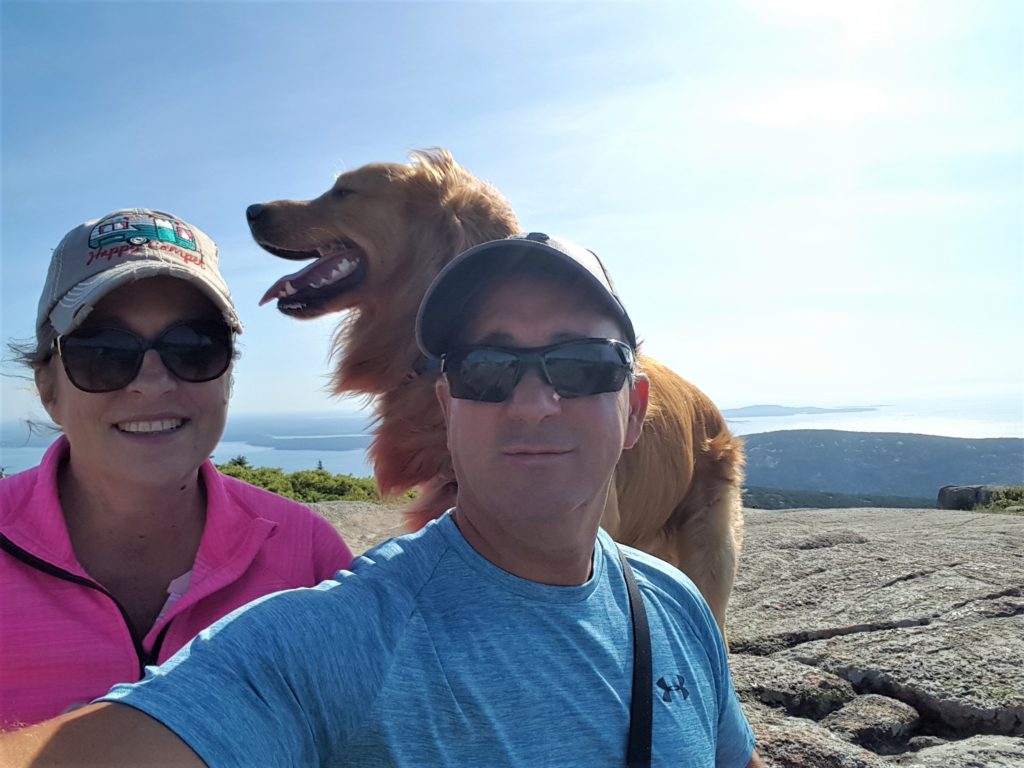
(125, 541)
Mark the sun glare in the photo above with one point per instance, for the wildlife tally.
(830, 103)
(859, 25)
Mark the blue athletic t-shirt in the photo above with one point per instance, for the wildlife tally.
(427, 654)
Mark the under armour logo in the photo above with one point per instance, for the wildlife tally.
(679, 687)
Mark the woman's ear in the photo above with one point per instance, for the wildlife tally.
(46, 386)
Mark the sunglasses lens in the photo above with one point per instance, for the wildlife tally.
(107, 359)
(483, 374)
(197, 351)
(586, 368)
(574, 369)
(101, 359)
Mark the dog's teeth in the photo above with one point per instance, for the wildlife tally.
(343, 269)
(313, 277)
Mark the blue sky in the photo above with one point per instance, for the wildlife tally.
(802, 202)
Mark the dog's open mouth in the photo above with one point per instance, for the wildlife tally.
(339, 267)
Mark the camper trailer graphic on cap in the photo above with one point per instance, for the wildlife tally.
(139, 228)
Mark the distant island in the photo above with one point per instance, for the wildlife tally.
(312, 442)
(302, 432)
(785, 410)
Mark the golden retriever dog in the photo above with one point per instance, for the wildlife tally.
(375, 241)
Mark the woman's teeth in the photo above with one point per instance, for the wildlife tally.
(160, 425)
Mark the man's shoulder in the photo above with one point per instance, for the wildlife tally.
(662, 580)
(677, 598)
(405, 562)
(372, 599)
(651, 568)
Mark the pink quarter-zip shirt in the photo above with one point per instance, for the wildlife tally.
(64, 640)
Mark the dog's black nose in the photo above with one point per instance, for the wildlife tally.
(253, 212)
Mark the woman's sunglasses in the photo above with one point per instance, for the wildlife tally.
(104, 359)
(574, 368)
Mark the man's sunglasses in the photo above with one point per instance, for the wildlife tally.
(104, 359)
(574, 368)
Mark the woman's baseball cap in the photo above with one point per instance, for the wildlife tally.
(98, 256)
(446, 301)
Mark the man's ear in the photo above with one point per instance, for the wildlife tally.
(444, 396)
(46, 385)
(639, 394)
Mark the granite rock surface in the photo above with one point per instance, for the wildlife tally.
(875, 637)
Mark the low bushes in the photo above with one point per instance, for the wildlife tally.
(307, 485)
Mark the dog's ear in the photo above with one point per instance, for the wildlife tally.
(483, 214)
(475, 211)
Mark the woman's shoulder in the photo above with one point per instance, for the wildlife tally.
(36, 485)
(296, 523)
(19, 490)
(260, 500)
(258, 503)
(254, 491)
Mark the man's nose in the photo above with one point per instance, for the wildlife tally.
(533, 399)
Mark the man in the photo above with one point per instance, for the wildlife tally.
(499, 635)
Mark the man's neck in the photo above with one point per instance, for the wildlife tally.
(560, 554)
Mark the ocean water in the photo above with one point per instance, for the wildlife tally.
(976, 418)
(287, 441)
(339, 441)
(354, 462)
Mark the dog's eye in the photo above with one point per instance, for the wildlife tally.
(341, 191)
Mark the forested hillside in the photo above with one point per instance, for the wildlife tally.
(879, 463)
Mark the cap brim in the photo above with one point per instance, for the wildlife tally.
(75, 305)
(445, 303)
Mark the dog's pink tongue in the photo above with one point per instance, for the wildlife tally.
(282, 288)
(324, 271)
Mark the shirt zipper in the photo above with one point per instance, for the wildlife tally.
(39, 564)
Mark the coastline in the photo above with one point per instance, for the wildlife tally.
(338, 441)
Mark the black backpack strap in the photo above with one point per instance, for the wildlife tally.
(638, 751)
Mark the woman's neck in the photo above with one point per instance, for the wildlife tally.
(104, 503)
(136, 540)
(131, 520)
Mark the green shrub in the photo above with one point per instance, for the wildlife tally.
(272, 478)
(308, 485)
(320, 485)
(1007, 501)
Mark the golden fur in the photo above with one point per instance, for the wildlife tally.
(678, 489)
